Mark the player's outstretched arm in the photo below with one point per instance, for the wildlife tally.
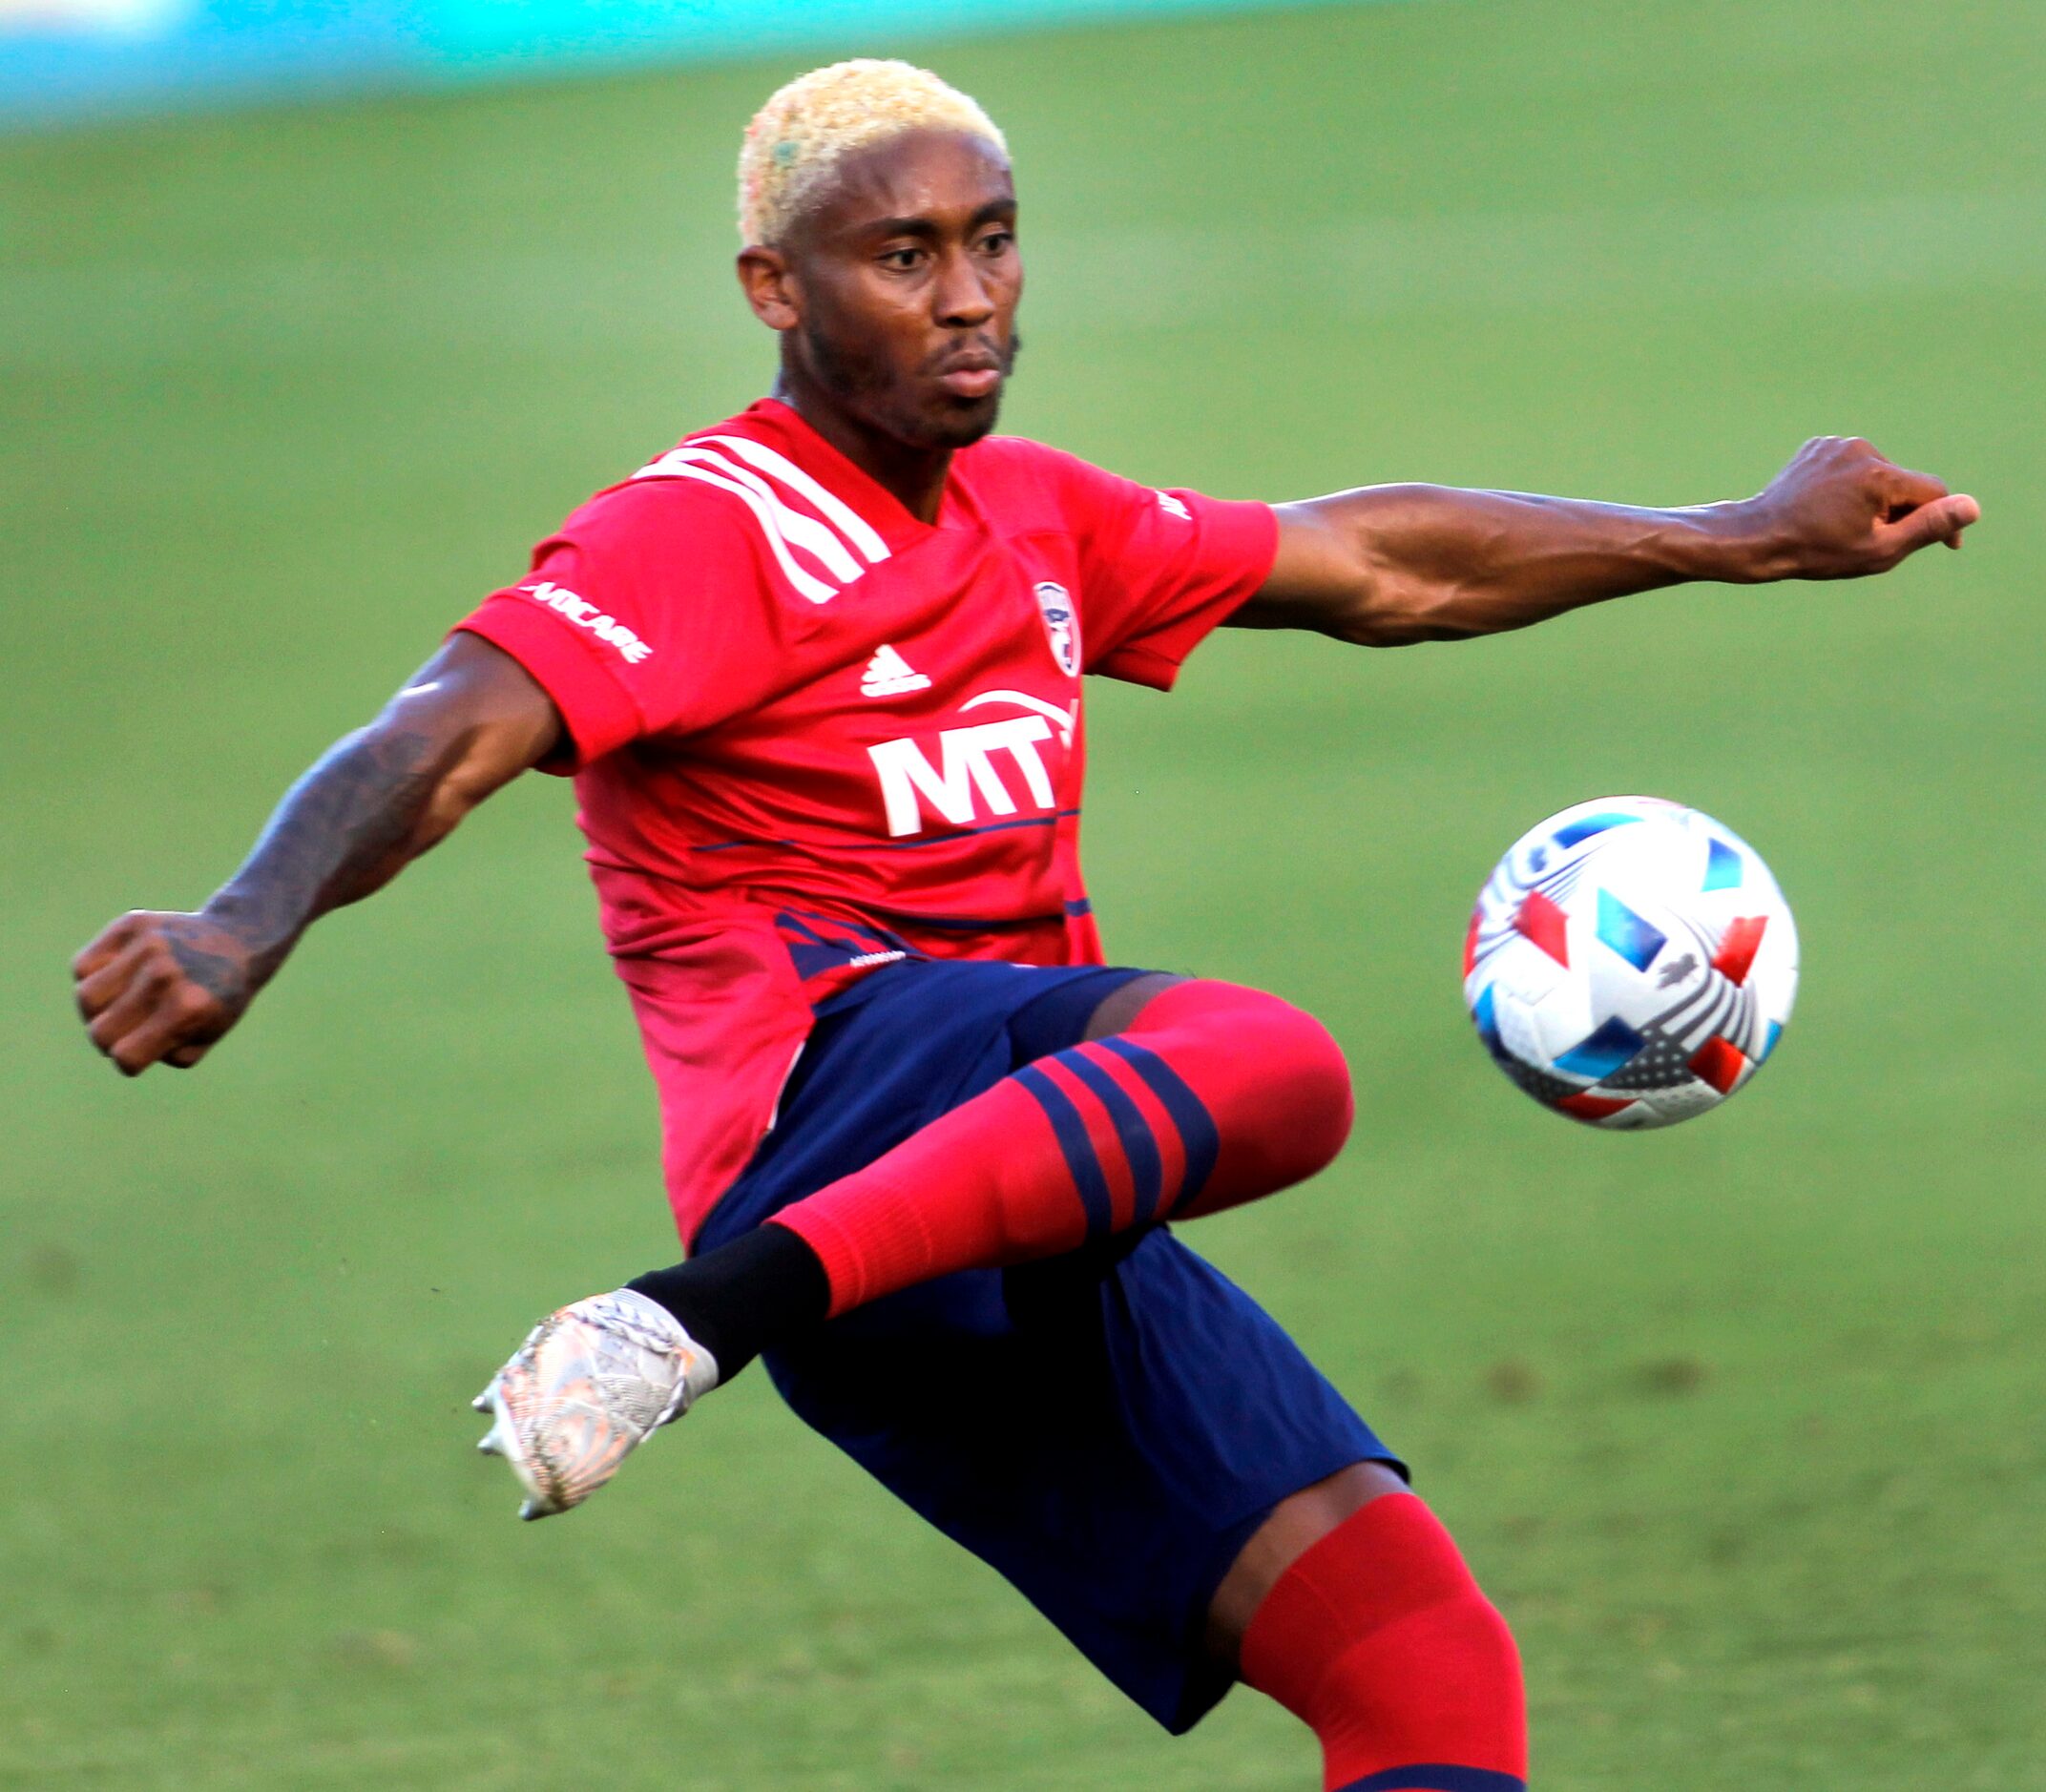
(1389, 565)
(162, 988)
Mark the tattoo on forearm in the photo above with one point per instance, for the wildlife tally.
(220, 976)
(343, 830)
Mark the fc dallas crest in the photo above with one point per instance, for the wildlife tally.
(1057, 604)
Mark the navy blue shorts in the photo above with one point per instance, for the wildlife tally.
(1106, 1428)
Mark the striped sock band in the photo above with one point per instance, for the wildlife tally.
(1214, 1095)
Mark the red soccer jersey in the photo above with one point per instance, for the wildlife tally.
(812, 735)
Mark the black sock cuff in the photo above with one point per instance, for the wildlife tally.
(741, 1298)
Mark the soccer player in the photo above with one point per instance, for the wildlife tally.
(816, 671)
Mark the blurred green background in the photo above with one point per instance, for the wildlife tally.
(1742, 1422)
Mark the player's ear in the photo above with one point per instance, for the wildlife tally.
(764, 275)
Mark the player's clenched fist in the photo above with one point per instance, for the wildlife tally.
(162, 989)
(1840, 510)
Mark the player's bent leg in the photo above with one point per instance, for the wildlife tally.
(1293, 1526)
(1377, 1637)
(1211, 1094)
(1207, 1095)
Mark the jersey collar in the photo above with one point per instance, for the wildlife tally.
(784, 427)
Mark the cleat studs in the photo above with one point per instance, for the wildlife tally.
(531, 1508)
(488, 1444)
(482, 1402)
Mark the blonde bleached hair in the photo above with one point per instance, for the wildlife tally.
(803, 131)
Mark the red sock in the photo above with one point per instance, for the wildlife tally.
(1379, 1638)
(1214, 1094)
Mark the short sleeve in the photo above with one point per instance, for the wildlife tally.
(1160, 570)
(641, 616)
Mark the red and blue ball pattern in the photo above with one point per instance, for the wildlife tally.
(1629, 963)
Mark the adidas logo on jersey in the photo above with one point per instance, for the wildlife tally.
(890, 674)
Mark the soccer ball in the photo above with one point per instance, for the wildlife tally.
(1629, 963)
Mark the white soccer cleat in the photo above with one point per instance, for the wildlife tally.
(591, 1384)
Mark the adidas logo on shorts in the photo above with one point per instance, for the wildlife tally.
(890, 674)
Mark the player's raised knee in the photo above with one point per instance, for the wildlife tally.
(1311, 1081)
(1279, 1079)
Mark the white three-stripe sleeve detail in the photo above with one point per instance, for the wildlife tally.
(794, 528)
(807, 583)
(850, 523)
(798, 530)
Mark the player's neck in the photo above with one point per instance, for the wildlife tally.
(915, 476)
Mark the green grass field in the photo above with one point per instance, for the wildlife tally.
(1741, 1424)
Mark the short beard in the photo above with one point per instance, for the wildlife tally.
(862, 383)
